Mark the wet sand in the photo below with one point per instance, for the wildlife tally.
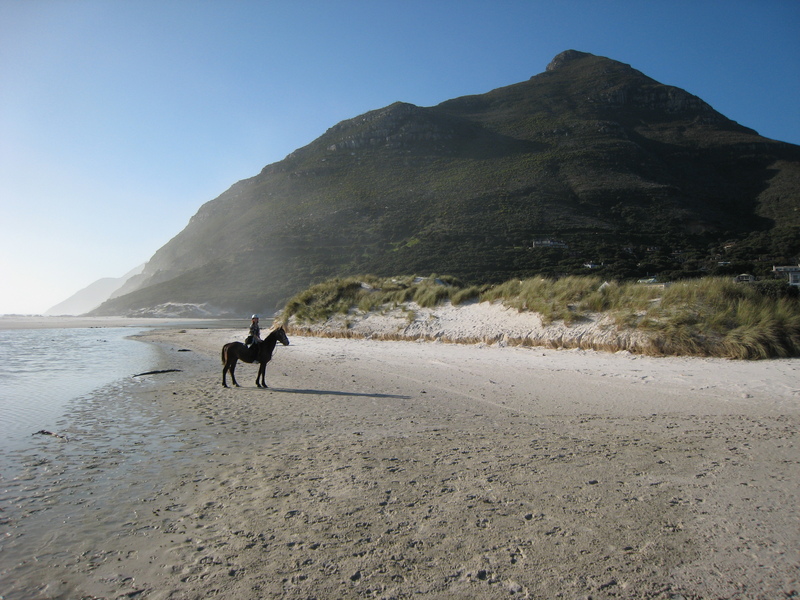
(425, 470)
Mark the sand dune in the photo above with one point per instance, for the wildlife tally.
(474, 322)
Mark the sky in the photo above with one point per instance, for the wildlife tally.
(119, 119)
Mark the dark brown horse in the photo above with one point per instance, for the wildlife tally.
(260, 353)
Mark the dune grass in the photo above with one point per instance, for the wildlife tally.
(368, 293)
(699, 317)
(739, 320)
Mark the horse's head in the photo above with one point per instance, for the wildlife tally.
(282, 336)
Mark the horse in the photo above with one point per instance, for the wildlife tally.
(260, 353)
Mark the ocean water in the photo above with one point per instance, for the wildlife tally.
(43, 370)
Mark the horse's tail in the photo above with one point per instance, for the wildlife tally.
(224, 348)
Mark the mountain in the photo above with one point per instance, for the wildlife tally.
(590, 165)
(92, 295)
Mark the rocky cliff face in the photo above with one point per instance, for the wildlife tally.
(564, 58)
(396, 127)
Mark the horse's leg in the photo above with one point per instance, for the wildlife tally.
(233, 373)
(226, 364)
(262, 368)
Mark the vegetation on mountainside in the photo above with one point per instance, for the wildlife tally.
(710, 316)
(630, 177)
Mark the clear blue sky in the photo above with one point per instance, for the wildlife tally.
(118, 119)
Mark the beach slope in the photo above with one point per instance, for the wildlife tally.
(417, 470)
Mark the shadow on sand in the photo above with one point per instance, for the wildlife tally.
(338, 393)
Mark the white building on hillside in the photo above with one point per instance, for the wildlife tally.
(791, 271)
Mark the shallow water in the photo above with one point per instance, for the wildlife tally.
(42, 370)
(63, 500)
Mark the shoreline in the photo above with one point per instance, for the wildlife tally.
(45, 369)
(418, 469)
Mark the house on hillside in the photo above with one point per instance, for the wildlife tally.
(792, 272)
(548, 243)
(744, 278)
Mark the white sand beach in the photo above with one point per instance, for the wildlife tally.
(373, 469)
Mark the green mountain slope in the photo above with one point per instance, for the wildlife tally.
(624, 173)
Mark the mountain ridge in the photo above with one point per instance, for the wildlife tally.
(590, 152)
(93, 295)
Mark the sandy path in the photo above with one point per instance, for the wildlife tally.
(399, 470)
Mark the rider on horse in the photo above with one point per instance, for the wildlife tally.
(255, 332)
